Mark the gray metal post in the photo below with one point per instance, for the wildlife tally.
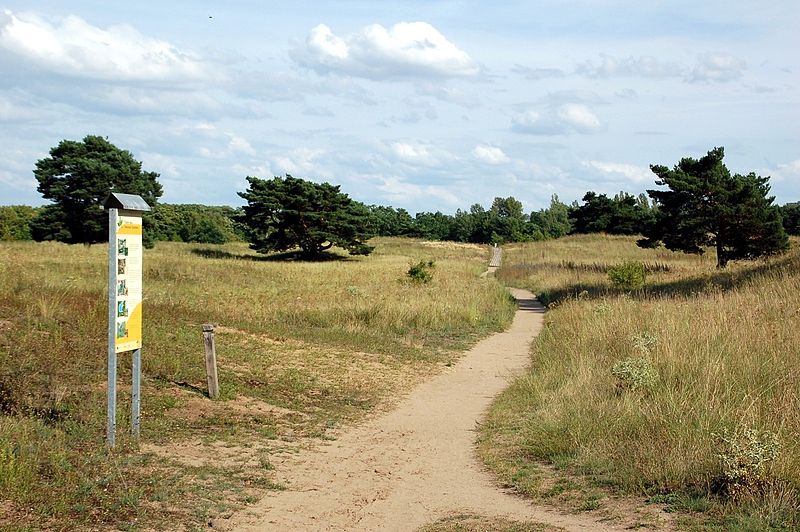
(111, 427)
(136, 369)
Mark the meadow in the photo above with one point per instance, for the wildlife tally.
(685, 391)
(304, 349)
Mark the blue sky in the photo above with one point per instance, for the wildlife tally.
(431, 105)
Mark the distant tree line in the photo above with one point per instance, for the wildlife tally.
(703, 206)
(503, 222)
(166, 222)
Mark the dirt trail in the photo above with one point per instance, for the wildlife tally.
(417, 463)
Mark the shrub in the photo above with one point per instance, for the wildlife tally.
(630, 275)
(635, 373)
(743, 457)
(421, 272)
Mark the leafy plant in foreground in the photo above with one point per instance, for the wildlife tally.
(630, 275)
(421, 272)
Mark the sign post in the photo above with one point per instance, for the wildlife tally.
(124, 300)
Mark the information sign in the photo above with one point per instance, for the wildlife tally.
(127, 256)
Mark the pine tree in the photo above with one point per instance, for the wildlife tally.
(285, 213)
(707, 206)
(77, 176)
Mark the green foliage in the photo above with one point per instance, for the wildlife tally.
(77, 176)
(623, 214)
(744, 455)
(507, 221)
(285, 213)
(630, 275)
(707, 206)
(388, 221)
(553, 222)
(432, 226)
(421, 272)
(15, 222)
(635, 373)
(791, 218)
(194, 223)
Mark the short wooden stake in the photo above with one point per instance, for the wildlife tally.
(211, 360)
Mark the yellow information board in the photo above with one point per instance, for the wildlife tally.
(128, 287)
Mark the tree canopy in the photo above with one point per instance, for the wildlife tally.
(623, 214)
(285, 213)
(77, 176)
(707, 206)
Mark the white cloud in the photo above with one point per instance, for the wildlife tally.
(164, 165)
(74, 47)
(418, 153)
(783, 172)
(557, 120)
(579, 117)
(407, 49)
(300, 162)
(490, 154)
(397, 190)
(637, 174)
(642, 66)
(717, 67)
(537, 73)
(407, 151)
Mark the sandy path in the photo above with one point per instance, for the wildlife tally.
(417, 463)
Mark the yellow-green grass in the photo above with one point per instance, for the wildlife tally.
(725, 347)
(302, 348)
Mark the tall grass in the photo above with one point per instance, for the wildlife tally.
(719, 398)
(327, 342)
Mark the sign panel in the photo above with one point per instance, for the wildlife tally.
(127, 255)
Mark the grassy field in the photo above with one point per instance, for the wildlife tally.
(303, 349)
(686, 391)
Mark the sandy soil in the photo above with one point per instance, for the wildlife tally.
(414, 464)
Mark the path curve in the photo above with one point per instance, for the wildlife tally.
(417, 463)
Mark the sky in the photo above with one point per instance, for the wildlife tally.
(424, 105)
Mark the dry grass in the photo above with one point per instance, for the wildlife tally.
(725, 347)
(303, 348)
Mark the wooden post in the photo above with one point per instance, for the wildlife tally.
(211, 360)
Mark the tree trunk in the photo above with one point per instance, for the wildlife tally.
(722, 259)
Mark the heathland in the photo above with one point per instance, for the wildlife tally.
(681, 387)
(303, 349)
(685, 389)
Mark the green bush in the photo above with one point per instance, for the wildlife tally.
(421, 272)
(630, 275)
(744, 456)
(635, 373)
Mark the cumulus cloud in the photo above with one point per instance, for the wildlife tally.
(642, 66)
(490, 154)
(557, 120)
(637, 174)
(76, 48)
(407, 49)
(717, 67)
